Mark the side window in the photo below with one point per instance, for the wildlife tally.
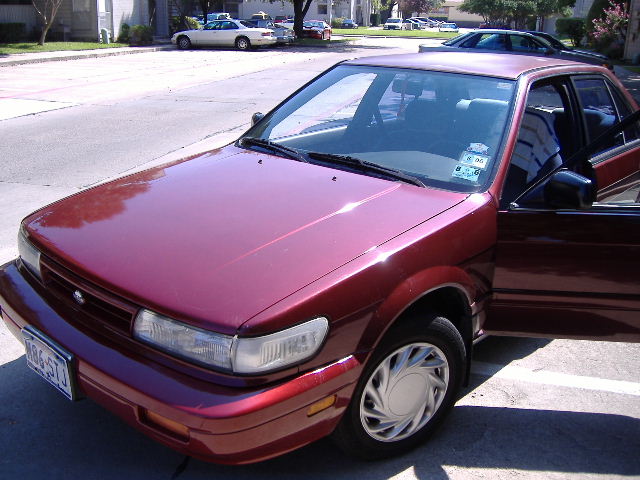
(598, 110)
(490, 41)
(633, 132)
(520, 43)
(545, 138)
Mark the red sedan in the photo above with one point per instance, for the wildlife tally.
(328, 273)
(316, 29)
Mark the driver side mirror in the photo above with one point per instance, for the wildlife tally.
(256, 117)
(569, 190)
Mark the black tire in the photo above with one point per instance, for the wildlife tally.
(243, 43)
(422, 352)
(183, 42)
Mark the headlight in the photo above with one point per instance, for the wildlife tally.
(247, 355)
(29, 254)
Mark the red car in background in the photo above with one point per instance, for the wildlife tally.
(329, 272)
(316, 29)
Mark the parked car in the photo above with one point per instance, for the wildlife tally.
(513, 41)
(328, 273)
(599, 58)
(218, 16)
(412, 24)
(429, 21)
(284, 18)
(228, 33)
(261, 16)
(212, 17)
(448, 27)
(316, 29)
(349, 23)
(393, 24)
(283, 34)
(422, 23)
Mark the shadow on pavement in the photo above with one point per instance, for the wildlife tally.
(40, 431)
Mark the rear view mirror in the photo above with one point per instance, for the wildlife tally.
(256, 117)
(569, 190)
(407, 87)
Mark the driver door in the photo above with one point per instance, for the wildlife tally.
(574, 273)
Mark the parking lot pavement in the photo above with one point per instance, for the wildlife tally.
(535, 409)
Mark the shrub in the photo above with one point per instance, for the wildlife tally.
(123, 36)
(336, 22)
(574, 28)
(12, 32)
(179, 24)
(609, 32)
(141, 35)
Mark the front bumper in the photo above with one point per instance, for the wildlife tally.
(219, 423)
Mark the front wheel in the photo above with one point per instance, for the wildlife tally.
(409, 385)
(243, 43)
(184, 43)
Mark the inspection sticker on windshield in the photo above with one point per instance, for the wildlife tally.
(474, 159)
(466, 173)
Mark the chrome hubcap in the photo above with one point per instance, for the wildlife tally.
(404, 392)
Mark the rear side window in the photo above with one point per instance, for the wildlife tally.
(598, 109)
(633, 132)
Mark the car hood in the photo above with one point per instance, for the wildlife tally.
(218, 238)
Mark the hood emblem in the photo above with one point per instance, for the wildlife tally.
(79, 297)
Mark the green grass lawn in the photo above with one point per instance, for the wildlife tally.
(12, 48)
(635, 69)
(394, 33)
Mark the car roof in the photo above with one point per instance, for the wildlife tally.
(501, 65)
(502, 30)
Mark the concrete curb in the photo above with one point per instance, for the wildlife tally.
(27, 58)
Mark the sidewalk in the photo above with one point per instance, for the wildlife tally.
(41, 57)
(630, 80)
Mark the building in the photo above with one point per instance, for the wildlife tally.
(358, 10)
(83, 19)
(450, 11)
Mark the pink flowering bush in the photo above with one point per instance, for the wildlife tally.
(609, 31)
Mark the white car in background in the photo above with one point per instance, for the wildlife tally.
(393, 24)
(448, 27)
(225, 33)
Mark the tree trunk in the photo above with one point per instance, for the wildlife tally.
(43, 35)
(300, 9)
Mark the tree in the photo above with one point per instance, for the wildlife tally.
(491, 11)
(574, 28)
(517, 11)
(46, 10)
(407, 7)
(300, 9)
(610, 31)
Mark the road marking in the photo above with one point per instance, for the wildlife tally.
(510, 372)
(13, 107)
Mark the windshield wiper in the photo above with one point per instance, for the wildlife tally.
(366, 166)
(273, 147)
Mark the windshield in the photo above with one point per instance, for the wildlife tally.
(394, 20)
(444, 129)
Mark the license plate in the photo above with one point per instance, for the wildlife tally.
(50, 361)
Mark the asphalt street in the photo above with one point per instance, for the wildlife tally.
(535, 409)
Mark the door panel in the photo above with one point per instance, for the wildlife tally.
(570, 274)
